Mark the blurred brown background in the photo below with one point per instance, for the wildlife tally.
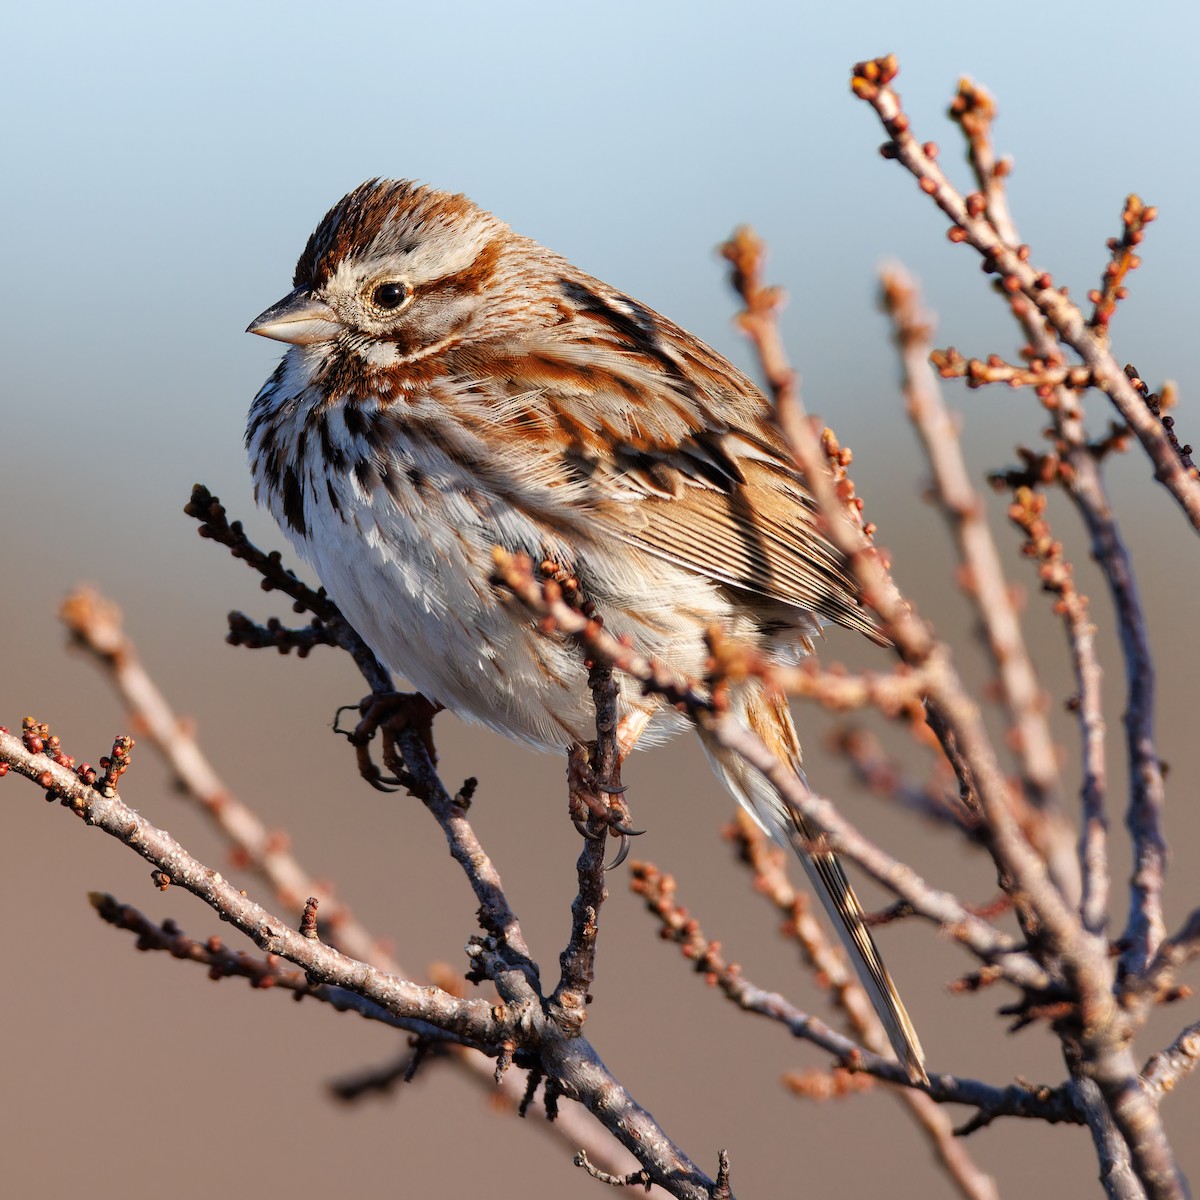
(165, 171)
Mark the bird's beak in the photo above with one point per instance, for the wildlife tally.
(298, 319)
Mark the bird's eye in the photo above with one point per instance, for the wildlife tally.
(389, 295)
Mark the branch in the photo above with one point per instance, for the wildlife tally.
(1164, 1070)
(765, 860)
(1080, 472)
(95, 626)
(1054, 932)
(572, 1063)
(545, 601)
(578, 959)
(1027, 512)
(986, 582)
(215, 525)
(262, 973)
(972, 225)
(658, 890)
(881, 774)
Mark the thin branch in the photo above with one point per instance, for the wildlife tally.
(1081, 470)
(1166, 1069)
(262, 973)
(952, 710)
(577, 1070)
(658, 890)
(1118, 1175)
(578, 959)
(872, 82)
(977, 372)
(1027, 512)
(1174, 952)
(974, 110)
(987, 585)
(881, 774)
(95, 625)
(977, 935)
(215, 525)
(474, 1020)
(829, 966)
(1054, 932)
(898, 693)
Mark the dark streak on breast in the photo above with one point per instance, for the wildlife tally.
(392, 481)
(293, 502)
(334, 502)
(366, 474)
(356, 422)
(333, 455)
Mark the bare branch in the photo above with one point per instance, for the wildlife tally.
(986, 582)
(829, 967)
(872, 83)
(95, 625)
(262, 973)
(658, 891)
(980, 937)
(1027, 512)
(1168, 1067)
(577, 1070)
(1053, 930)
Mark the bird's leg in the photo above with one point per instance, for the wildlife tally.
(598, 803)
(586, 807)
(595, 791)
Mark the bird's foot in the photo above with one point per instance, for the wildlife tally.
(387, 713)
(598, 807)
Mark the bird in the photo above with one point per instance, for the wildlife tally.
(450, 387)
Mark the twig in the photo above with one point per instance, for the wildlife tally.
(1156, 981)
(262, 973)
(963, 508)
(980, 937)
(577, 1070)
(872, 82)
(215, 525)
(829, 966)
(879, 772)
(578, 959)
(1056, 317)
(974, 110)
(658, 890)
(1027, 512)
(977, 372)
(898, 693)
(472, 1019)
(95, 624)
(1050, 924)
(1164, 1070)
(382, 1080)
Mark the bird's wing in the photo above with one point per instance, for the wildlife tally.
(678, 448)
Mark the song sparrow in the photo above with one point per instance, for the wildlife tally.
(452, 386)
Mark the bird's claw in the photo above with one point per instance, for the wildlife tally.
(584, 828)
(621, 828)
(387, 712)
(622, 852)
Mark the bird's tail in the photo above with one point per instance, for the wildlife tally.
(768, 716)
